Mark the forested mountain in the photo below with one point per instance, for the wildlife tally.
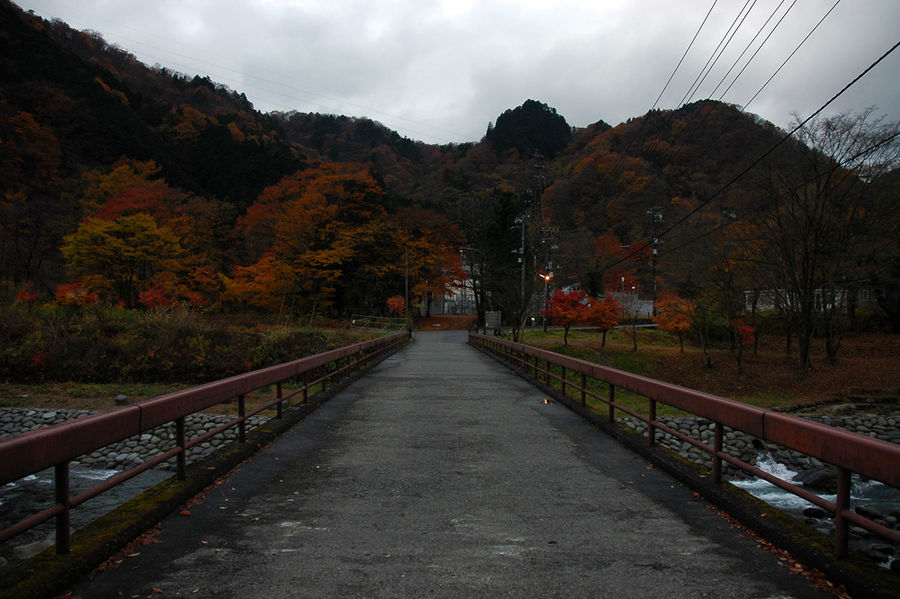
(237, 209)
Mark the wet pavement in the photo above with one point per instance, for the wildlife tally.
(442, 474)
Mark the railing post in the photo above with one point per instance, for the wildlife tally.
(563, 380)
(324, 377)
(279, 394)
(612, 401)
(651, 423)
(61, 487)
(180, 441)
(305, 385)
(583, 389)
(242, 425)
(841, 503)
(717, 449)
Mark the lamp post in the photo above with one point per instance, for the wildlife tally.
(546, 278)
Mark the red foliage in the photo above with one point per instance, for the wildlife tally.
(39, 359)
(396, 304)
(73, 294)
(26, 294)
(746, 333)
(153, 297)
(131, 200)
(567, 308)
(605, 314)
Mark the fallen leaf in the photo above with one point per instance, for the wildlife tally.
(184, 513)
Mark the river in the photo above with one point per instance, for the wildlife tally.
(867, 493)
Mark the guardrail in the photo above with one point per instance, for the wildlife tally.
(56, 446)
(849, 452)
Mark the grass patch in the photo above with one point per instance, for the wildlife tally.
(768, 378)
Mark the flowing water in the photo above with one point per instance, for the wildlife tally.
(867, 493)
(31, 494)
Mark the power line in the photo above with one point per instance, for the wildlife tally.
(764, 155)
(738, 76)
(764, 205)
(691, 90)
(688, 49)
(747, 47)
(803, 41)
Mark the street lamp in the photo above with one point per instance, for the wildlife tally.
(546, 278)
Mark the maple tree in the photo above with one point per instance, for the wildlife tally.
(604, 314)
(674, 314)
(566, 308)
(263, 285)
(396, 304)
(73, 294)
(153, 297)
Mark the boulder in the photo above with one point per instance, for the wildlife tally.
(820, 479)
(815, 512)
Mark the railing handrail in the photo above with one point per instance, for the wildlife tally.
(33, 451)
(868, 456)
(849, 451)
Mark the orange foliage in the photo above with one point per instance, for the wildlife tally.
(73, 294)
(396, 304)
(604, 314)
(674, 314)
(262, 285)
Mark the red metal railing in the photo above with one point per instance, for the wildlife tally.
(849, 452)
(56, 446)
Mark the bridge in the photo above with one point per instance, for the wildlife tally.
(441, 473)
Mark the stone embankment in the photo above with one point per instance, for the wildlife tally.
(132, 451)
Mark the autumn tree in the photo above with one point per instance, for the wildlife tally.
(604, 314)
(120, 257)
(264, 285)
(396, 304)
(566, 308)
(816, 225)
(673, 314)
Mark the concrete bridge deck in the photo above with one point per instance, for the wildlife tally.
(442, 474)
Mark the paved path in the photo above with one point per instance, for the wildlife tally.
(443, 475)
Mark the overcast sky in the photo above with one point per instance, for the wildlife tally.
(440, 71)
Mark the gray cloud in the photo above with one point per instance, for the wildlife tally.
(440, 71)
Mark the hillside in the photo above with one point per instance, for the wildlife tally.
(293, 210)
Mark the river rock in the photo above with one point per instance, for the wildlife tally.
(868, 513)
(29, 550)
(815, 512)
(821, 479)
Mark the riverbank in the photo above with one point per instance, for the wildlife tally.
(133, 451)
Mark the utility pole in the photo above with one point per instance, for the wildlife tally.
(550, 242)
(655, 220)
